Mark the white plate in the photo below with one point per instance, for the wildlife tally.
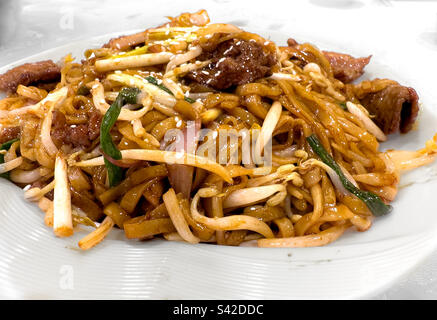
(36, 265)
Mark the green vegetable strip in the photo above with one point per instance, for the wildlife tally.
(6, 146)
(189, 100)
(154, 81)
(372, 201)
(83, 90)
(126, 95)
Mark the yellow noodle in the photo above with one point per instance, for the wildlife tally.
(295, 201)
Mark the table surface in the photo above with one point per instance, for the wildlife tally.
(28, 27)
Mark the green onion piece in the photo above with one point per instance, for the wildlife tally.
(6, 146)
(372, 201)
(83, 91)
(126, 95)
(189, 100)
(154, 81)
(343, 105)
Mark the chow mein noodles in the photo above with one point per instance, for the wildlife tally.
(203, 132)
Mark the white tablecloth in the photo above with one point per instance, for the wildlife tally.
(28, 27)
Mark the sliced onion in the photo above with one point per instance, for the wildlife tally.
(141, 60)
(23, 176)
(312, 67)
(54, 99)
(183, 57)
(269, 125)
(62, 217)
(157, 93)
(335, 179)
(168, 111)
(98, 93)
(10, 165)
(120, 163)
(200, 95)
(287, 152)
(368, 123)
(185, 68)
(247, 196)
(348, 176)
(46, 138)
(174, 88)
(180, 175)
(138, 129)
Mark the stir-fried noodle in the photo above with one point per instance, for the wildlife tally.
(203, 132)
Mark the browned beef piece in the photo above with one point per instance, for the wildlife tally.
(80, 135)
(199, 18)
(95, 119)
(395, 108)
(124, 42)
(29, 73)
(233, 62)
(8, 133)
(59, 132)
(345, 67)
(291, 42)
(38, 184)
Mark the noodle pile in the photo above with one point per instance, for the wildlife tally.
(129, 177)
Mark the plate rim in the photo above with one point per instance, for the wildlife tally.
(66, 47)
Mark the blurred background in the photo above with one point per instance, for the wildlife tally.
(28, 27)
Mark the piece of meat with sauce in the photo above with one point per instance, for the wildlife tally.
(79, 135)
(199, 18)
(29, 73)
(8, 133)
(345, 67)
(126, 41)
(233, 62)
(291, 42)
(394, 108)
